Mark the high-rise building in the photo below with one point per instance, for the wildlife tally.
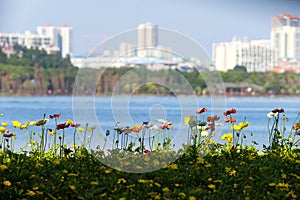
(285, 37)
(49, 38)
(256, 55)
(147, 39)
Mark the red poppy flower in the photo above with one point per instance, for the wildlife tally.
(163, 126)
(201, 110)
(230, 119)
(62, 126)
(8, 135)
(147, 151)
(75, 125)
(228, 112)
(55, 116)
(277, 110)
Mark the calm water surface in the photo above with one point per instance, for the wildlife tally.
(135, 110)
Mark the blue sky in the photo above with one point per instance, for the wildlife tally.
(205, 21)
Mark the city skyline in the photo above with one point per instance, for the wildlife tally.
(95, 21)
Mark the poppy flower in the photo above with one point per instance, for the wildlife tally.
(41, 122)
(62, 126)
(229, 112)
(227, 137)
(75, 125)
(163, 126)
(230, 119)
(16, 124)
(51, 132)
(2, 129)
(55, 116)
(277, 110)
(201, 110)
(126, 131)
(137, 128)
(23, 126)
(68, 121)
(8, 135)
(80, 129)
(4, 124)
(147, 151)
(187, 119)
(271, 114)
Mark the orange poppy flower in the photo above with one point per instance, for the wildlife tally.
(230, 119)
(137, 128)
(201, 110)
(228, 112)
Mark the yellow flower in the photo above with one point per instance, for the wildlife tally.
(1, 115)
(244, 125)
(272, 184)
(232, 173)
(69, 121)
(3, 167)
(211, 186)
(94, 183)
(192, 198)
(41, 122)
(56, 161)
(4, 123)
(7, 183)
(30, 193)
(80, 129)
(91, 129)
(72, 187)
(16, 124)
(52, 132)
(23, 126)
(236, 127)
(241, 126)
(121, 180)
(2, 129)
(182, 195)
(227, 137)
(30, 123)
(173, 166)
(187, 119)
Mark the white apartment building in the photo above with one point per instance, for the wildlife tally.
(285, 37)
(147, 39)
(50, 38)
(256, 55)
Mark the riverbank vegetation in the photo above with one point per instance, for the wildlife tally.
(34, 72)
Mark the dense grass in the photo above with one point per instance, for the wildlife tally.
(227, 175)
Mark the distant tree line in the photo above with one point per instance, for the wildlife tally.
(34, 72)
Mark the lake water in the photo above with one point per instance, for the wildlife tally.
(106, 111)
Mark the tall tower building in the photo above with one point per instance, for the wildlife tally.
(285, 37)
(147, 39)
(60, 37)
